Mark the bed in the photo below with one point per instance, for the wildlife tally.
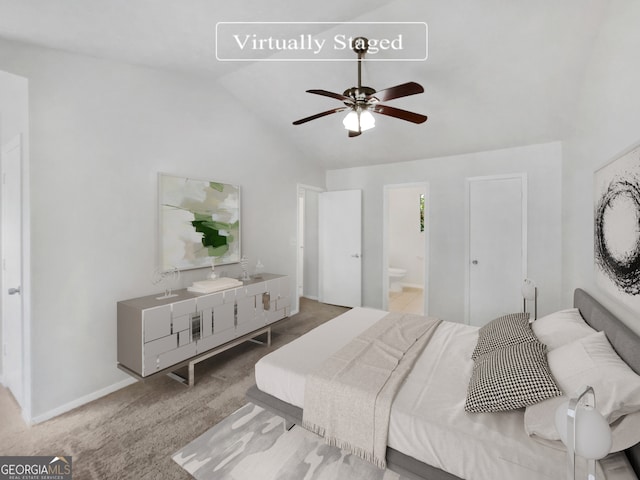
(430, 435)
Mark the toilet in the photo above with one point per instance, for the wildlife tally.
(395, 278)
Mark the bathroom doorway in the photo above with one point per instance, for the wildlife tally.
(406, 248)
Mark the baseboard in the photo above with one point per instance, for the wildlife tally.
(25, 417)
(413, 285)
(82, 400)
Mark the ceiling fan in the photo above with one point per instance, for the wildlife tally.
(361, 101)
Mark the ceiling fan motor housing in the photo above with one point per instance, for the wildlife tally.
(359, 93)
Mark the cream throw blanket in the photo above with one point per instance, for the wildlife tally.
(347, 400)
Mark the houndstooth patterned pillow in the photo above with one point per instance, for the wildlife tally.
(504, 331)
(509, 378)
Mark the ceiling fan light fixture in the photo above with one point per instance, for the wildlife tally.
(359, 120)
(350, 122)
(367, 120)
(361, 102)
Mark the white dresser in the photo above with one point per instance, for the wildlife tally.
(156, 335)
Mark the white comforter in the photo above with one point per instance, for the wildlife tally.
(428, 421)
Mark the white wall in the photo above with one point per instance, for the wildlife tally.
(14, 120)
(607, 122)
(14, 106)
(446, 178)
(100, 133)
(406, 243)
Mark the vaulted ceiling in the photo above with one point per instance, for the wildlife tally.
(499, 73)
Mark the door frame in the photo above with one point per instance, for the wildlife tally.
(301, 191)
(467, 217)
(25, 294)
(385, 241)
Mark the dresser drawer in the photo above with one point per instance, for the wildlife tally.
(184, 307)
(181, 323)
(208, 301)
(170, 358)
(283, 302)
(161, 345)
(223, 317)
(256, 288)
(216, 340)
(157, 322)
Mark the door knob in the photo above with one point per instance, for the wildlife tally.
(356, 255)
(475, 262)
(13, 291)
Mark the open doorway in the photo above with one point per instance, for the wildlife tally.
(307, 243)
(15, 326)
(406, 248)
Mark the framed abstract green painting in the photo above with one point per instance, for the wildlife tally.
(199, 222)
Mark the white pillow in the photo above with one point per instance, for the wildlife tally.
(592, 361)
(560, 328)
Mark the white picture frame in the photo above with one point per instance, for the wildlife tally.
(617, 228)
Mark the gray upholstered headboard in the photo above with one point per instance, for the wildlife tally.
(624, 341)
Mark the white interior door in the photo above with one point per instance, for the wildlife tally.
(12, 364)
(340, 248)
(497, 246)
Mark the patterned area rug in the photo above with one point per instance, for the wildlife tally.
(252, 443)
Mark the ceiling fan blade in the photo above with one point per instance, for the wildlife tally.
(337, 96)
(399, 113)
(354, 134)
(319, 115)
(404, 90)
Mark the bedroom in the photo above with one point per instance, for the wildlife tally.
(100, 130)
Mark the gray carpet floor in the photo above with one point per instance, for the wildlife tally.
(132, 433)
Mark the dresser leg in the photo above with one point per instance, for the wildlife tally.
(178, 378)
(192, 374)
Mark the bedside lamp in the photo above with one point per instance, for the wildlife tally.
(583, 430)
